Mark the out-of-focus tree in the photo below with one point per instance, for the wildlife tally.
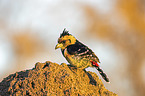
(26, 46)
(134, 14)
(127, 34)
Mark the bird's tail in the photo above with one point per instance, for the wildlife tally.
(104, 76)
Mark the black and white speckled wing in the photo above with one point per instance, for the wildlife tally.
(80, 49)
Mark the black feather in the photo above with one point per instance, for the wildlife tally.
(104, 76)
(65, 32)
(78, 48)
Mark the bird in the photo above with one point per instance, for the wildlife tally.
(78, 54)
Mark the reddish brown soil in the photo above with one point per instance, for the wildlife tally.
(51, 79)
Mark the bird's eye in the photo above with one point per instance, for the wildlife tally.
(69, 40)
(64, 41)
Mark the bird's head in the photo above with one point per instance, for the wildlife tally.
(65, 40)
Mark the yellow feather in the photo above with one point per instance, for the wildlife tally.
(69, 37)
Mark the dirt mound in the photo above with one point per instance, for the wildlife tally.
(51, 79)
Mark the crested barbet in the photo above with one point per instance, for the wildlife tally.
(78, 54)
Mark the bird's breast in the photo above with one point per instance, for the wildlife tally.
(76, 61)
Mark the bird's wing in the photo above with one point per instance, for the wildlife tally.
(80, 49)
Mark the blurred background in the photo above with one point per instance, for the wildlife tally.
(113, 29)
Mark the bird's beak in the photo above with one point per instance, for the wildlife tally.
(59, 45)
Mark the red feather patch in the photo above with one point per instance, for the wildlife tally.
(95, 63)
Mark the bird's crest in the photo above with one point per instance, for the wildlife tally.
(65, 32)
